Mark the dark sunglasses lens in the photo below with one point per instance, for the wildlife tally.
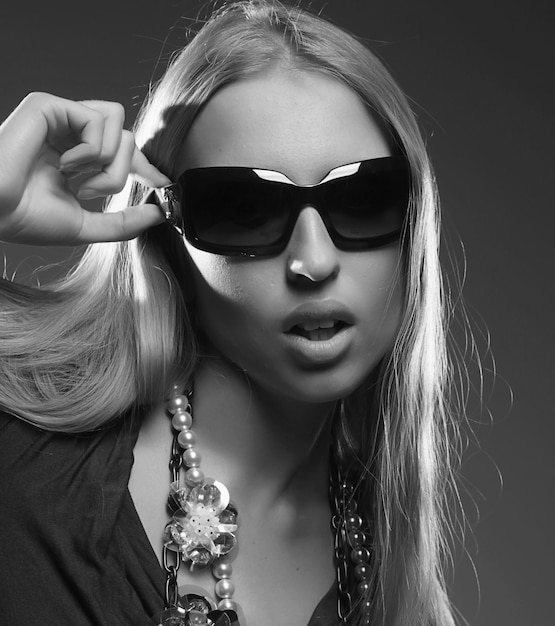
(235, 210)
(369, 204)
(232, 210)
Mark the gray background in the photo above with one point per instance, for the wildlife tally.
(481, 78)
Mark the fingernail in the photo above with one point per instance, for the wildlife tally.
(165, 180)
(161, 179)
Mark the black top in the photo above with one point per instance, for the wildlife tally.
(72, 547)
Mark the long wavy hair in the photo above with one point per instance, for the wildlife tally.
(116, 332)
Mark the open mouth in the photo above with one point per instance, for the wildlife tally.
(318, 330)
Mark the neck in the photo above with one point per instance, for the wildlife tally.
(265, 448)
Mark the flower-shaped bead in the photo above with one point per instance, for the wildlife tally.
(200, 529)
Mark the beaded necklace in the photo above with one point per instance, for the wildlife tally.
(202, 530)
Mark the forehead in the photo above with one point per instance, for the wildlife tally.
(300, 123)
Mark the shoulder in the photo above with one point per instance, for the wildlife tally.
(59, 491)
(61, 496)
(39, 467)
(26, 447)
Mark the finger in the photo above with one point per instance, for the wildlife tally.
(22, 136)
(88, 168)
(113, 177)
(114, 117)
(88, 125)
(120, 225)
(146, 173)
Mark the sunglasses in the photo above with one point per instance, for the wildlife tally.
(252, 212)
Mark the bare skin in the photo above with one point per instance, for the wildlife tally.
(285, 544)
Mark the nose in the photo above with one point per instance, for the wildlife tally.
(312, 257)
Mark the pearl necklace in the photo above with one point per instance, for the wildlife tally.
(202, 533)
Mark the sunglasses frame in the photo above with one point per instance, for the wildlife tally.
(171, 198)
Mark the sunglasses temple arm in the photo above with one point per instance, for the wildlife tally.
(167, 200)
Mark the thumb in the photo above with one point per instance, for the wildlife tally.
(119, 225)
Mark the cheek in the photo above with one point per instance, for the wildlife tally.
(213, 275)
(232, 297)
(386, 319)
(378, 285)
(387, 300)
(376, 277)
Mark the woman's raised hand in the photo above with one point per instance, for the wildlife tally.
(54, 152)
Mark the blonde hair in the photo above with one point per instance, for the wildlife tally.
(116, 332)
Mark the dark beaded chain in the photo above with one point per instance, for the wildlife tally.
(351, 554)
(171, 559)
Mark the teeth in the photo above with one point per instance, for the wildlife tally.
(320, 334)
(308, 326)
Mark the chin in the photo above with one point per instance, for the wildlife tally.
(316, 387)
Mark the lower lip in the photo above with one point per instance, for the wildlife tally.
(320, 352)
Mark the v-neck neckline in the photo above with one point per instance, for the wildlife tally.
(321, 612)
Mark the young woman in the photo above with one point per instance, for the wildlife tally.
(292, 298)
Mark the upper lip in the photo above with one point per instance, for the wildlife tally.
(318, 311)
